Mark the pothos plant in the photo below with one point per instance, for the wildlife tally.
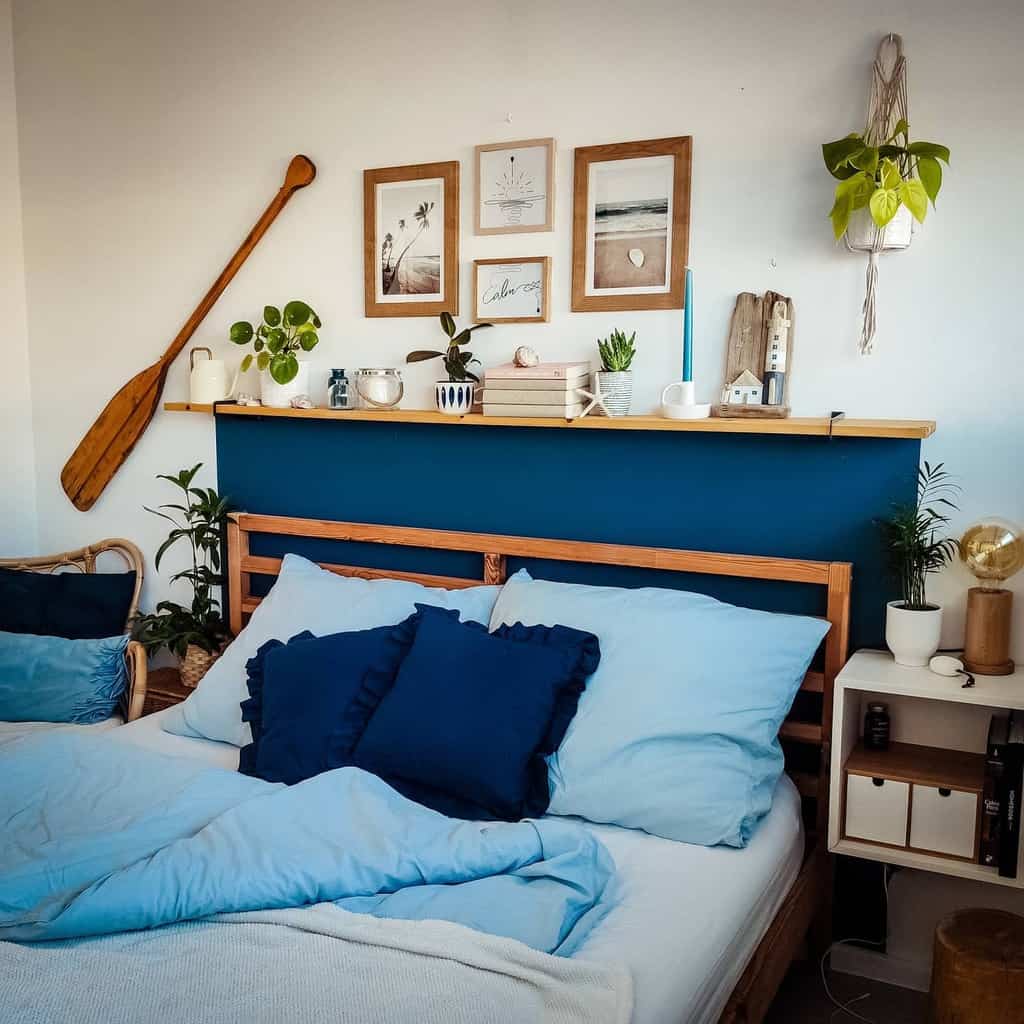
(456, 361)
(197, 519)
(276, 341)
(883, 177)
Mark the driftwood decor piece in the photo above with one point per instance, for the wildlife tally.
(758, 357)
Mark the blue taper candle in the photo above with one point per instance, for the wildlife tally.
(688, 327)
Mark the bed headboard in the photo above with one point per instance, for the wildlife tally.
(496, 549)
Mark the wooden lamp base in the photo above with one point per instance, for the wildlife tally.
(987, 639)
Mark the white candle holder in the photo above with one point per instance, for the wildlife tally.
(685, 407)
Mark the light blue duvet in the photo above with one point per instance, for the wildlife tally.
(98, 837)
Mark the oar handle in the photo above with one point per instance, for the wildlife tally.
(301, 172)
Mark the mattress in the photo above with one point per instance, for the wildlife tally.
(688, 918)
(10, 728)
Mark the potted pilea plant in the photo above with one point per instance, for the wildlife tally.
(913, 625)
(196, 633)
(454, 395)
(276, 344)
(615, 379)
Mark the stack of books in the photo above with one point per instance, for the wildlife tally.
(1001, 799)
(547, 389)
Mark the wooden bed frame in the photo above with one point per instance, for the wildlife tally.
(806, 911)
(84, 560)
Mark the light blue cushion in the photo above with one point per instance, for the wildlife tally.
(677, 731)
(50, 679)
(306, 597)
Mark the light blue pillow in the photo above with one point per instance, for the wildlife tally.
(306, 597)
(677, 730)
(50, 679)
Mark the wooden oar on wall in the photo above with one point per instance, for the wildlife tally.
(117, 429)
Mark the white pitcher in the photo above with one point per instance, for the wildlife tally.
(208, 378)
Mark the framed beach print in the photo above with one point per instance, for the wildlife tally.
(411, 240)
(515, 186)
(512, 291)
(631, 225)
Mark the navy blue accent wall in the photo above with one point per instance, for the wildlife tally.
(798, 497)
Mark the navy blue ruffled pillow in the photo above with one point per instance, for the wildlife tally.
(471, 716)
(310, 699)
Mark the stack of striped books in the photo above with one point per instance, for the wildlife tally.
(547, 389)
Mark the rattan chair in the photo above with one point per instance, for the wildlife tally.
(84, 560)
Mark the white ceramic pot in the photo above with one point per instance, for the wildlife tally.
(896, 235)
(454, 397)
(616, 390)
(279, 396)
(912, 636)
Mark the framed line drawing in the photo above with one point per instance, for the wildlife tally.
(631, 225)
(515, 187)
(411, 240)
(512, 291)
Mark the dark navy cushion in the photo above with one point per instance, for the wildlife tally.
(472, 715)
(72, 605)
(310, 699)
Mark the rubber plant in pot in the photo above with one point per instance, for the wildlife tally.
(615, 378)
(276, 344)
(196, 633)
(454, 395)
(913, 625)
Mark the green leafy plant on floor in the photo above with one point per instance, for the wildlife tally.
(198, 519)
(883, 178)
(617, 352)
(911, 536)
(456, 361)
(278, 338)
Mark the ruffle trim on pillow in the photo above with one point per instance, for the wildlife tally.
(108, 681)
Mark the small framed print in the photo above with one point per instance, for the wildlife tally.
(515, 186)
(512, 291)
(411, 240)
(631, 225)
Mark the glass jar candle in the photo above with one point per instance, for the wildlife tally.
(876, 727)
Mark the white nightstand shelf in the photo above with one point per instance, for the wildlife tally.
(939, 732)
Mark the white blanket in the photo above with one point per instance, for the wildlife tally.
(318, 964)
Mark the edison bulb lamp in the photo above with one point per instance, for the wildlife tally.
(993, 550)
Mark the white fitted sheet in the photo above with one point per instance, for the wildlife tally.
(9, 728)
(689, 917)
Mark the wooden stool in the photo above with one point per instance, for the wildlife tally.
(978, 969)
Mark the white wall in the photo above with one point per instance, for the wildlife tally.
(153, 133)
(18, 534)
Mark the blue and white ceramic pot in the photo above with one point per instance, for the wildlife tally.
(454, 397)
(617, 390)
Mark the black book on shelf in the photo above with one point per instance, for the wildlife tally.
(1009, 803)
(995, 764)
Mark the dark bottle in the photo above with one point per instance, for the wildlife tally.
(876, 727)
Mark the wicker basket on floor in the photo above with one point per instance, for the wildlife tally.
(195, 665)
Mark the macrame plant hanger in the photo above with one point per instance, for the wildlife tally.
(887, 107)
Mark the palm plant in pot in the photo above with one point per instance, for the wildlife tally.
(913, 625)
(454, 395)
(615, 378)
(196, 633)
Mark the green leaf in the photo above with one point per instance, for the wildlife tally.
(271, 315)
(246, 363)
(914, 198)
(308, 340)
(258, 344)
(276, 339)
(241, 332)
(866, 160)
(316, 322)
(884, 204)
(851, 195)
(929, 170)
(901, 128)
(263, 331)
(836, 154)
(284, 367)
(296, 313)
(421, 355)
(263, 361)
(461, 338)
(889, 173)
(929, 149)
(448, 324)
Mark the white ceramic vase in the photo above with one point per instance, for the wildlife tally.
(896, 235)
(912, 636)
(279, 396)
(617, 390)
(454, 397)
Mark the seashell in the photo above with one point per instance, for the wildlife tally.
(525, 356)
(636, 257)
(302, 402)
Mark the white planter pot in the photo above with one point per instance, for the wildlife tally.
(912, 636)
(616, 390)
(279, 396)
(896, 235)
(454, 397)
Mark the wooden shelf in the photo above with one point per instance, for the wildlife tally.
(926, 766)
(808, 426)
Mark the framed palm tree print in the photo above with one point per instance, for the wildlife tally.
(411, 239)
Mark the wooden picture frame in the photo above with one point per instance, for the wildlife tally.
(535, 284)
(501, 200)
(401, 276)
(644, 209)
